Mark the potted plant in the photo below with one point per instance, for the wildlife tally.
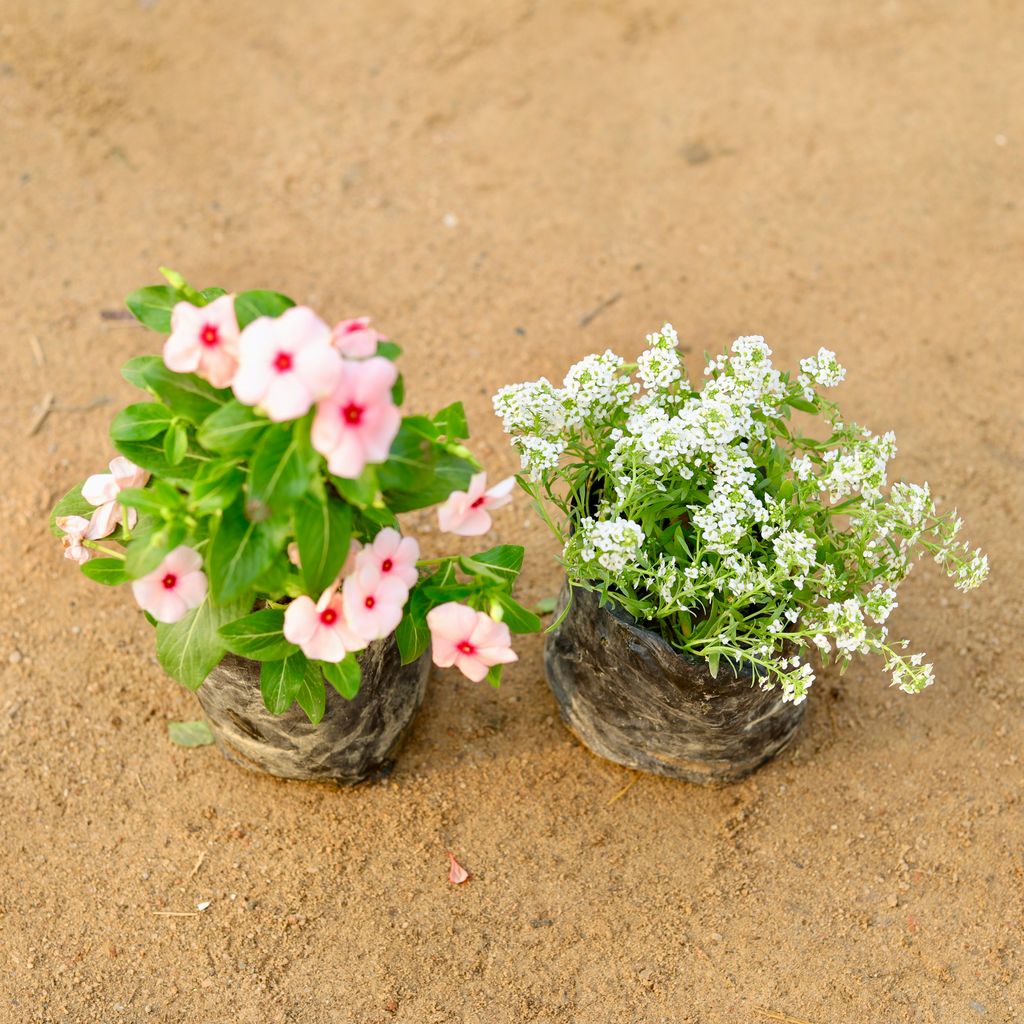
(253, 509)
(713, 542)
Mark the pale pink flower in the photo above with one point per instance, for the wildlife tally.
(204, 340)
(286, 363)
(356, 338)
(465, 512)
(374, 602)
(392, 554)
(321, 630)
(75, 529)
(358, 421)
(174, 587)
(470, 640)
(102, 489)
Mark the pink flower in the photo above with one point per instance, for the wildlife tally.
(465, 512)
(286, 363)
(392, 554)
(374, 602)
(102, 489)
(204, 340)
(321, 629)
(356, 338)
(468, 639)
(174, 587)
(358, 421)
(75, 529)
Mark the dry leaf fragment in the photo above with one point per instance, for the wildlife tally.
(458, 874)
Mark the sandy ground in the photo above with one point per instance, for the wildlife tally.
(480, 178)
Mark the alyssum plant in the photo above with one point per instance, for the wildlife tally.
(708, 516)
(253, 506)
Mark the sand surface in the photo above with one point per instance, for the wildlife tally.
(482, 178)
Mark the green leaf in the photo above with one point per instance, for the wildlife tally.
(278, 472)
(280, 682)
(420, 473)
(502, 562)
(323, 528)
(71, 504)
(134, 371)
(250, 305)
(345, 676)
(240, 552)
(545, 606)
(232, 429)
(108, 571)
(389, 350)
(189, 650)
(258, 636)
(451, 421)
(216, 486)
(412, 634)
(147, 548)
(493, 676)
(150, 455)
(185, 394)
(713, 660)
(190, 734)
(515, 616)
(311, 695)
(361, 492)
(140, 422)
(802, 405)
(152, 306)
(175, 443)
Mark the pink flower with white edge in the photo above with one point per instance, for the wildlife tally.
(286, 363)
(75, 529)
(470, 640)
(321, 630)
(174, 587)
(391, 554)
(102, 489)
(355, 338)
(204, 340)
(358, 421)
(466, 512)
(373, 602)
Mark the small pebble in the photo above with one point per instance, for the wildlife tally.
(15, 657)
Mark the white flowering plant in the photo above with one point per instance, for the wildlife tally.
(707, 514)
(254, 503)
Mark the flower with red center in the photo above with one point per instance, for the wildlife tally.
(204, 340)
(470, 640)
(174, 587)
(286, 363)
(321, 630)
(373, 602)
(76, 529)
(393, 555)
(102, 489)
(357, 422)
(465, 512)
(355, 338)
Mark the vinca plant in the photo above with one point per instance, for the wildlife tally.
(254, 504)
(708, 514)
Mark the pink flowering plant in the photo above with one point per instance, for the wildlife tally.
(253, 506)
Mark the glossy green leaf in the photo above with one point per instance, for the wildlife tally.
(134, 371)
(279, 473)
(175, 443)
(515, 616)
(240, 552)
(233, 428)
(361, 492)
(345, 676)
(140, 421)
(280, 682)
(152, 306)
(451, 422)
(217, 485)
(150, 455)
(323, 528)
(189, 650)
(250, 305)
(311, 695)
(185, 394)
(258, 636)
(108, 571)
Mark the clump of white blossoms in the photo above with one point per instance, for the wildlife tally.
(705, 513)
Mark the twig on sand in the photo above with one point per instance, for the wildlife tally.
(138, 779)
(196, 867)
(175, 913)
(37, 350)
(599, 309)
(778, 1015)
(116, 314)
(45, 408)
(625, 789)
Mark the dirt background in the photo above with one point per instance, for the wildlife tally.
(481, 178)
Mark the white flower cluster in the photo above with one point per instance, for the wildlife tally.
(822, 370)
(612, 543)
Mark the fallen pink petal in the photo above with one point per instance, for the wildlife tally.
(457, 874)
